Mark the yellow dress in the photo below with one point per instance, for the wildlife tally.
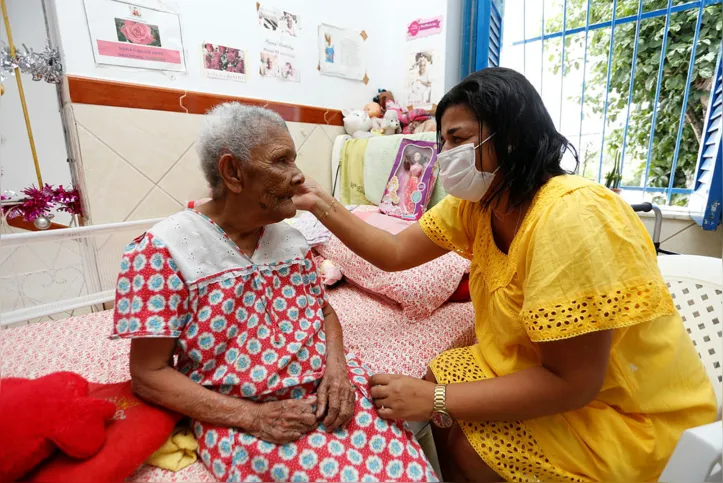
(581, 261)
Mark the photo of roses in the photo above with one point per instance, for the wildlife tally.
(137, 33)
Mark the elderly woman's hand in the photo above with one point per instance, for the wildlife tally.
(336, 396)
(285, 421)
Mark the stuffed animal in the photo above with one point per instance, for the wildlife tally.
(430, 125)
(357, 123)
(330, 273)
(373, 109)
(390, 124)
(41, 415)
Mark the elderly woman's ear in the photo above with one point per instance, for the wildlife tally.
(230, 172)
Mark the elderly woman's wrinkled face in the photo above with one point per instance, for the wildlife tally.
(271, 178)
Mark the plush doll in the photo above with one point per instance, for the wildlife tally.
(430, 125)
(373, 109)
(416, 117)
(382, 98)
(330, 273)
(357, 123)
(390, 123)
(41, 415)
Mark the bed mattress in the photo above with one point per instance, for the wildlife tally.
(374, 330)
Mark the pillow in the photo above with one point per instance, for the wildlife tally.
(39, 416)
(411, 181)
(419, 291)
(138, 429)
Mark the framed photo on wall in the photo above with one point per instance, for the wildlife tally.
(133, 36)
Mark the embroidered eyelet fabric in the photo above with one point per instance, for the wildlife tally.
(507, 447)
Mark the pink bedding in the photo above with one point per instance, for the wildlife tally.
(380, 334)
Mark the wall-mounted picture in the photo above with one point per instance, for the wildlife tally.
(277, 20)
(420, 78)
(137, 33)
(222, 62)
(278, 59)
(135, 36)
(342, 52)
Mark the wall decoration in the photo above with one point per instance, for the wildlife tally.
(342, 52)
(278, 59)
(44, 65)
(221, 62)
(277, 20)
(421, 77)
(135, 36)
(424, 27)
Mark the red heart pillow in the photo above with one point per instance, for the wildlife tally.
(138, 429)
(41, 415)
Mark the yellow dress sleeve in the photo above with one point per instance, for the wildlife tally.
(450, 224)
(590, 265)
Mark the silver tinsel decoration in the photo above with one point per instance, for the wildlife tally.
(44, 65)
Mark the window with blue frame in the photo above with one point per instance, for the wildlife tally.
(629, 82)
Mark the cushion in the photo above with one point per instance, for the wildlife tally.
(138, 429)
(411, 180)
(419, 291)
(40, 416)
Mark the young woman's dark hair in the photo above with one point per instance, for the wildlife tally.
(528, 147)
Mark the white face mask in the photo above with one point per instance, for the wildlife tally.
(459, 175)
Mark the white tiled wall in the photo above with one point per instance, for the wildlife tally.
(136, 164)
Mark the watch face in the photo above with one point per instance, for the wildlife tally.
(442, 420)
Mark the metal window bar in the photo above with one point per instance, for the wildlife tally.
(654, 121)
(607, 90)
(632, 85)
(562, 61)
(684, 108)
(584, 72)
(638, 18)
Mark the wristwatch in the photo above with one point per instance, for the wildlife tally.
(440, 416)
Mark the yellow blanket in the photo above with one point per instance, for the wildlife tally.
(351, 164)
(177, 453)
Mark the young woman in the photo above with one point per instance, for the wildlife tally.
(583, 369)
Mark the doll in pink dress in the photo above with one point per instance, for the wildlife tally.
(416, 169)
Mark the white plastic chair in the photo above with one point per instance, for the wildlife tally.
(696, 284)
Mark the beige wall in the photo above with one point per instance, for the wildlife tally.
(684, 236)
(135, 164)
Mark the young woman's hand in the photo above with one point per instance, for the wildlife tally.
(402, 397)
(308, 195)
(285, 421)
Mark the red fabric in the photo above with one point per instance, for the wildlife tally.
(41, 415)
(138, 430)
(462, 292)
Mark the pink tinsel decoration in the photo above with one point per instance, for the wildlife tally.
(69, 200)
(39, 202)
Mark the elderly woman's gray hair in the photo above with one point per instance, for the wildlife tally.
(232, 128)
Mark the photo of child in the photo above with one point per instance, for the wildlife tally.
(329, 50)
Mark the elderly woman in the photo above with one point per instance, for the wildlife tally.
(583, 369)
(233, 291)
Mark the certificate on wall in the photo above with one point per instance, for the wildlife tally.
(134, 36)
(341, 52)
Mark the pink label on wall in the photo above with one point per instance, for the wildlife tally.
(138, 52)
(424, 27)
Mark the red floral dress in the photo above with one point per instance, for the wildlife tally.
(254, 328)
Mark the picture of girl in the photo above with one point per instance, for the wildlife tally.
(420, 82)
(329, 50)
